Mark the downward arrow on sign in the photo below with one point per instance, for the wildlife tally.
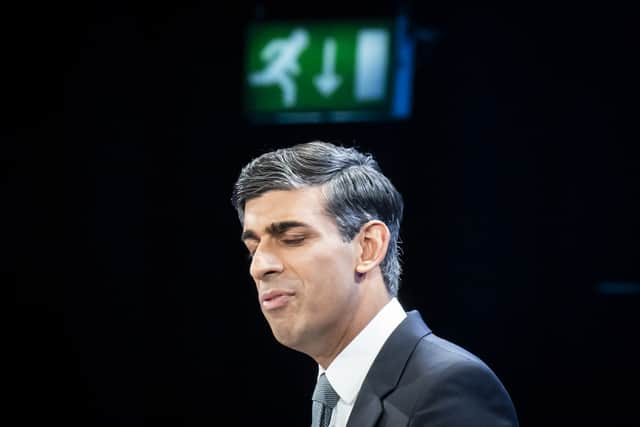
(328, 81)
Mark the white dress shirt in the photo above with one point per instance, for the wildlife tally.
(349, 369)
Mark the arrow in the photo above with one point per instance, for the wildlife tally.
(328, 81)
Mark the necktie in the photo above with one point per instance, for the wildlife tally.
(324, 400)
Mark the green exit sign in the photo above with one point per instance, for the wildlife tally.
(327, 71)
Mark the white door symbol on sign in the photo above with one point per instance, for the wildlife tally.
(372, 58)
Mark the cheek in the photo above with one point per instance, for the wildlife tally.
(329, 275)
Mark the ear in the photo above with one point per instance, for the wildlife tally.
(373, 240)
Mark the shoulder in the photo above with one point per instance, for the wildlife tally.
(438, 354)
(423, 379)
(437, 361)
(451, 383)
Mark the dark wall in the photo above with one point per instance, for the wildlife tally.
(134, 304)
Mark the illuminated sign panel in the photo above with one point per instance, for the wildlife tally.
(326, 71)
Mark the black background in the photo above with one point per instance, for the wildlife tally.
(125, 135)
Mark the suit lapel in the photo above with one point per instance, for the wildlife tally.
(385, 372)
(367, 408)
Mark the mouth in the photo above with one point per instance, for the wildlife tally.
(275, 298)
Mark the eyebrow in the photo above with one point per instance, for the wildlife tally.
(274, 229)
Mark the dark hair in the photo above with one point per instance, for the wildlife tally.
(353, 183)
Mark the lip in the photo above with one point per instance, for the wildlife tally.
(275, 298)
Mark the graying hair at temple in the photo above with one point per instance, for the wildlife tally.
(353, 183)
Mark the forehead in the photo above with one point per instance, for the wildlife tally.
(305, 204)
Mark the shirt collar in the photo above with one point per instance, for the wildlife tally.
(349, 369)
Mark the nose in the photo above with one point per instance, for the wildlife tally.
(264, 264)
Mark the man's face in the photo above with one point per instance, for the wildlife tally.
(303, 270)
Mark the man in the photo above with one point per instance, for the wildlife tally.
(321, 224)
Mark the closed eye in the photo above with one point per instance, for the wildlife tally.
(293, 241)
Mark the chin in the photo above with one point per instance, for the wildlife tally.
(285, 337)
(285, 340)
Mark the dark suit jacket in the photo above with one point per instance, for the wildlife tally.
(419, 379)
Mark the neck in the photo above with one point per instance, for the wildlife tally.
(373, 296)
